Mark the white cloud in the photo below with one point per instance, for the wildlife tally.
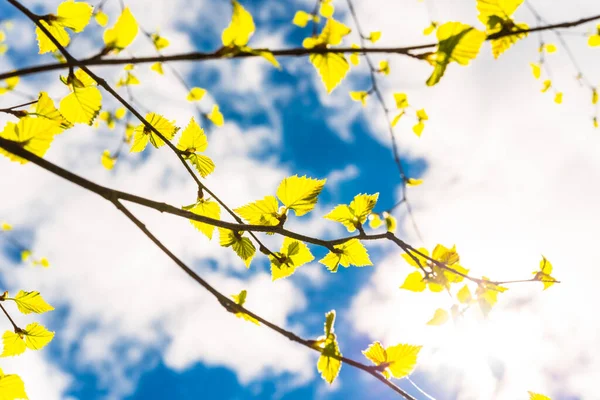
(124, 297)
(510, 175)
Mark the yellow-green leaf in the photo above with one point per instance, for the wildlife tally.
(240, 28)
(301, 18)
(300, 193)
(122, 33)
(360, 96)
(194, 141)
(12, 344)
(440, 317)
(414, 282)
(45, 108)
(32, 134)
(158, 68)
(354, 215)
(101, 18)
(70, 14)
(215, 116)
(537, 396)
(159, 42)
(261, 212)
(31, 302)
(196, 94)
(11, 387)
(37, 336)
(292, 255)
(457, 42)
(332, 68)
(142, 134)
(327, 365)
(206, 208)
(464, 295)
(399, 361)
(107, 160)
(349, 253)
(240, 299)
(242, 246)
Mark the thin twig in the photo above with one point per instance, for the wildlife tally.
(293, 52)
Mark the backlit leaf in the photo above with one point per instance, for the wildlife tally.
(11, 387)
(31, 302)
(300, 193)
(206, 208)
(242, 246)
(440, 317)
(240, 28)
(122, 33)
(457, 42)
(349, 253)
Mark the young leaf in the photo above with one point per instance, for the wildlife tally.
(242, 246)
(414, 282)
(206, 208)
(496, 15)
(31, 302)
(487, 295)
(464, 295)
(34, 337)
(107, 160)
(10, 84)
(261, 212)
(332, 68)
(292, 255)
(398, 361)
(300, 193)
(44, 108)
(349, 253)
(215, 116)
(456, 42)
(354, 215)
(240, 299)
(440, 317)
(70, 14)
(544, 273)
(240, 28)
(360, 96)
(12, 344)
(196, 94)
(143, 134)
(11, 387)
(122, 33)
(537, 396)
(33, 134)
(194, 141)
(301, 18)
(101, 18)
(328, 365)
(159, 42)
(83, 104)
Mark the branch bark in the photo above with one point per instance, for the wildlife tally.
(293, 52)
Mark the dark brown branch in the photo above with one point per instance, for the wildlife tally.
(294, 52)
(101, 82)
(232, 306)
(115, 195)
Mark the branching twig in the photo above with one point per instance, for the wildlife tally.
(409, 51)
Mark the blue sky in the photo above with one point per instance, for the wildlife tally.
(505, 173)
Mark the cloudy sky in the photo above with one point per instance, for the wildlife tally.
(508, 175)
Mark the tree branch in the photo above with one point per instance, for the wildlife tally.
(293, 52)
